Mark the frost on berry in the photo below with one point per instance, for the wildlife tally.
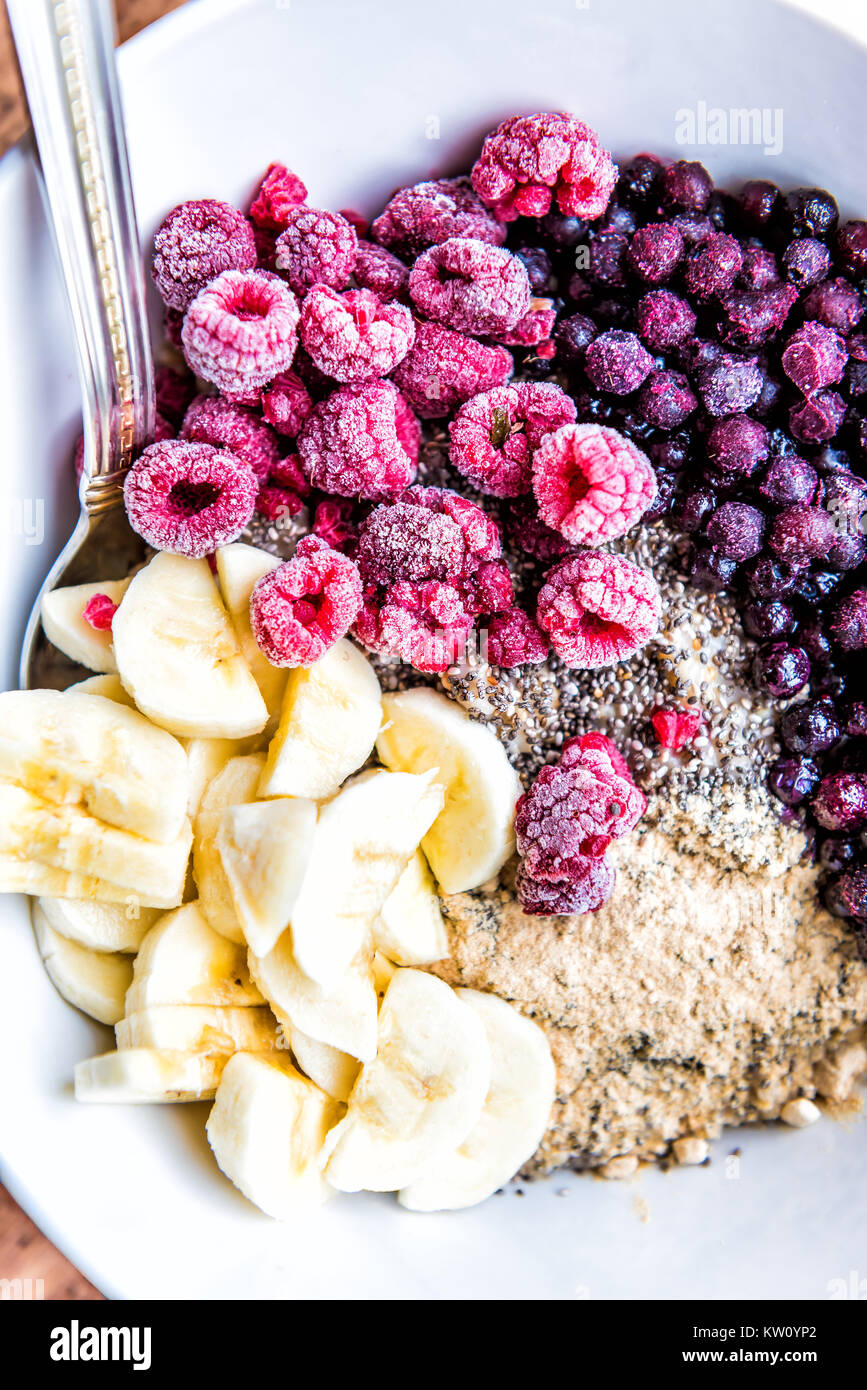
(286, 404)
(589, 888)
(404, 541)
(534, 329)
(817, 418)
(493, 436)
(302, 608)
(488, 589)
(189, 498)
(429, 213)
(99, 612)
(676, 727)
(212, 420)
(598, 609)
(316, 248)
(591, 483)
(378, 270)
(334, 523)
(529, 160)
(279, 192)
(815, 356)
(473, 287)
(426, 625)
(355, 336)
(196, 243)
(444, 368)
(241, 331)
(362, 441)
(514, 639)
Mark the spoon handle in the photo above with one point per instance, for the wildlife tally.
(66, 53)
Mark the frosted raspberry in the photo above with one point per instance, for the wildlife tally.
(274, 502)
(534, 329)
(425, 624)
(354, 336)
(173, 322)
(526, 530)
(286, 404)
(361, 442)
(493, 436)
(589, 748)
(333, 523)
(403, 541)
(815, 356)
(241, 331)
(514, 639)
(189, 498)
(277, 195)
(488, 589)
(316, 248)
(598, 609)
(99, 611)
(430, 213)
(378, 270)
(212, 420)
(287, 472)
(306, 605)
(591, 483)
(676, 727)
(445, 368)
(174, 391)
(196, 243)
(528, 158)
(471, 286)
(481, 534)
(589, 888)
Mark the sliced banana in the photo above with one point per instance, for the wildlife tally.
(328, 725)
(100, 926)
(344, 1018)
(183, 961)
(472, 839)
(235, 785)
(239, 569)
(19, 875)
(267, 1129)
(410, 929)
(206, 758)
(514, 1116)
(148, 1076)
(334, 1071)
(110, 687)
(94, 981)
(178, 656)
(200, 1028)
(71, 633)
(421, 1096)
(264, 849)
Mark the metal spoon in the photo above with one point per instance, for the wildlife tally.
(66, 53)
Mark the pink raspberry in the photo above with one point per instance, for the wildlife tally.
(514, 639)
(99, 611)
(430, 533)
(429, 213)
(286, 404)
(241, 331)
(526, 530)
(676, 727)
(534, 328)
(378, 270)
(445, 368)
(528, 158)
(212, 420)
(815, 356)
(424, 624)
(591, 483)
(277, 195)
(189, 498)
(196, 243)
(354, 336)
(595, 749)
(473, 287)
(174, 391)
(481, 533)
(598, 609)
(274, 502)
(301, 609)
(493, 436)
(356, 220)
(589, 888)
(316, 248)
(488, 589)
(362, 441)
(333, 522)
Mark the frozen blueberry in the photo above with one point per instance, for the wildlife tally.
(664, 320)
(792, 780)
(711, 571)
(687, 185)
(788, 480)
(769, 618)
(573, 336)
(806, 262)
(736, 529)
(730, 385)
(782, 669)
(767, 578)
(737, 445)
(640, 182)
(852, 248)
(617, 362)
(836, 852)
(810, 212)
(694, 507)
(811, 727)
(759, 201)
(666, 400)
(655, 252)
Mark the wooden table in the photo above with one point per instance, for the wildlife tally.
(24, 1251)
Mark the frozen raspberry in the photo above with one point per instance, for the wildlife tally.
(664, 320)
(444, 368)
(212, 420)
(471, 286)
(275, 502)
(286, 404)
(278, 194)
(714, 266)
(481, 534)
(580, 749)
(333, 522)
(241, 331)
(655, 252)
(840, 802)
(835, 303)
(598, 609)
(814, 357)
(354, 336)
(800, 534)
(752, 317)
(676, 727)
(514, 639)
(196, 243)
(617, 362)
(361, 442)
(99, 611)
(316, 248)
(818, 418)
(301, 609)
(529, 158)
(591, 483)
(430, 213)
(534, 329)
(403, 541)
(189, 498)
(493, 436)
(849, 622)
(425, 624)
(488, 589)
(589, 888)
(526, 531)
(378, 270)
(174, 391)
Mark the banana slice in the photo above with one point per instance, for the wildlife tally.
(97, 755)
(344, 1018)
(206, 758)
(335, 1072)
(267, 1129)
(264, 849)
(178, 656)
(26, 876)
(200, 1028)
(183, 961)
(513, 1119)
(235, 785)
(239, 569)
(71, 633)
(100, 926)
(410, 929)
(472, 839)
(147, 1076)
(364, 840)
(328, 725)
(93, 981)
(421, 1096)
(110, 687)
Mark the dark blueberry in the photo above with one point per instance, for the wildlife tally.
(810, 728)
(759, 269)
(759, 201)
(672, 453)
(770, 397)
(846, 895)
(840, 801)
(617, 218)
(810, 212)
(666, 490)
(844, 497)
(561, 233)
(666, 400)
(736, 529)
(687, 185)
(818, 418)
(848, 552)
(836, 303)
(617, 362)
(730, 385)
(806, 262)
(781, 669)
(814, 586)
(537, 264)
(766, 578)
(694, 227)
(655, 252)
(694, 507)
(793, 779)
(664, 320)
(855, 379)
(711, 571)
(714, 266)
(737, 445)
(696, 354)
(593, 409)
(607, 250)
(801, 533)
(787, 481)
(779, 442)
(852, 248)
(816, 643)
(830, 458)
(854, 716)
(836, 853)
(753, 317)
(613, 312)
(769, 618)
(640, 182)
(849, 622)
(723, 211)
(573, 335)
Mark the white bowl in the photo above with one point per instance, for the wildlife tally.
(349, 95)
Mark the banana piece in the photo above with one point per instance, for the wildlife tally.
(64, 625)
(267, 1129)
(328, 725)
(183, 961)
(26, 876)
(178, 656)
(472, 839)
(96, 755)
(92, 981)
(239, 569)
(148, 1075)
(513, 1119)
(364, 840)
(384, 972)
(206, 758)
(110, 687)
(410, 929)
(235, 785)
(264, 849)
(421, 1096)
(344, 1018)
(335, 1072)
(99, 926)
(200, 1028)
